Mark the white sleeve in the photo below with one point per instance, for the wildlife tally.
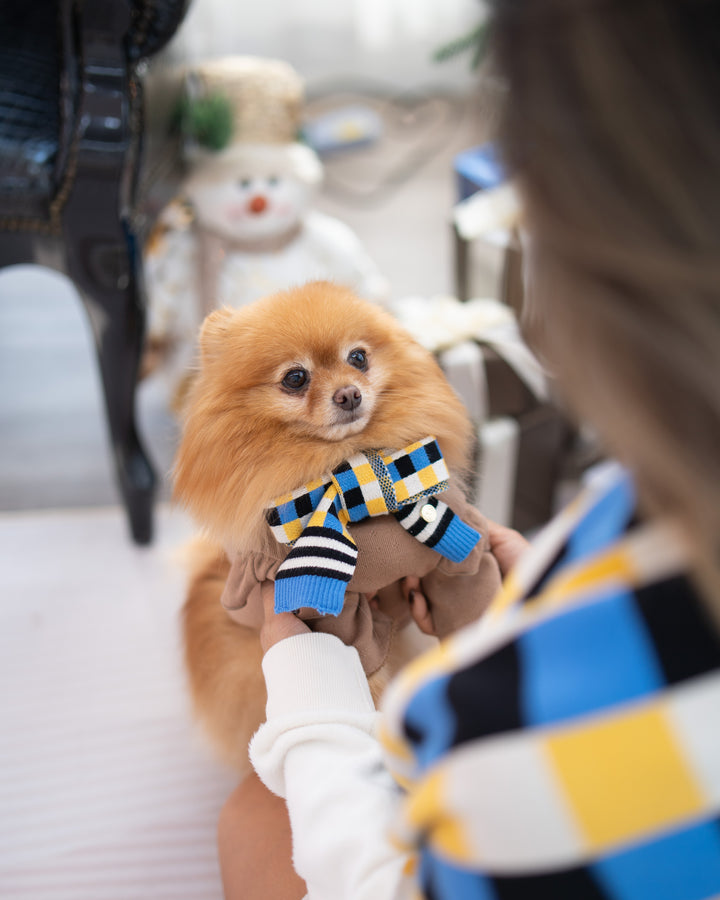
(318, 750)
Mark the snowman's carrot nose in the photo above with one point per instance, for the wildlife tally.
(257, 204)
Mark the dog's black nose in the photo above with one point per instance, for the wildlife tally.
(347, 397)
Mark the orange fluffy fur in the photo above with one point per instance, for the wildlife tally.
(248, 438)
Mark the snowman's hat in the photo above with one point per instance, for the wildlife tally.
(247, 110)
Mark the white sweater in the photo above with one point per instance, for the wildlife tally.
(318, 750)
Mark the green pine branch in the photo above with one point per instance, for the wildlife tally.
(475, 41)
(207, 120)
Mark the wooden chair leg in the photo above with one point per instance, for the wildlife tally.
(102, 255)
(117, 314)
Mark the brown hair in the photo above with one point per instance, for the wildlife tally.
(611, 127)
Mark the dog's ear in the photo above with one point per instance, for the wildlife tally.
(214, 330)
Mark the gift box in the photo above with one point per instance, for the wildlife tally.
(546, 446)
(525, 441)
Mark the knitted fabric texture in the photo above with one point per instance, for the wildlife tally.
(314, 518)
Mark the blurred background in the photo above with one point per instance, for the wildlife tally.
(107, 789)
(396, 193)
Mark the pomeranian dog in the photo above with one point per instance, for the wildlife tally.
(288, 388)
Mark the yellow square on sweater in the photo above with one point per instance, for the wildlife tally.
(610, 772)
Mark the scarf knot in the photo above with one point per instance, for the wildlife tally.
(313, 519)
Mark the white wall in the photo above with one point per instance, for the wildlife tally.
(383, 38)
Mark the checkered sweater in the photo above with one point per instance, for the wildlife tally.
(568, 745)
(314, 519)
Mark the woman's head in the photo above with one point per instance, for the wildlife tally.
(611, 126)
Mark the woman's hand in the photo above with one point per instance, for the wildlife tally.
(506, 545)
(277, 626)
(418, 604)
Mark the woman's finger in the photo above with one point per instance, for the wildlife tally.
(277, 626)
(506, 545)
(417, 601)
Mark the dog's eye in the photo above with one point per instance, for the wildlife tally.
(358, 358)
(295, 379)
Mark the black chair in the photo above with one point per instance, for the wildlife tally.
(71, 147)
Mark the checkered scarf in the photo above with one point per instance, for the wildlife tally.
(314, 519)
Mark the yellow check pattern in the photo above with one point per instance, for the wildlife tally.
(610, 773)
(614, 774)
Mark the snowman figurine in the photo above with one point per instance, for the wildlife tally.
(243, 226)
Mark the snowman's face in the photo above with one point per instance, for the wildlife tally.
(244, 206)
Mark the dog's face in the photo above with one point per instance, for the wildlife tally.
(313, 363)
(329, 391)
(294, 384)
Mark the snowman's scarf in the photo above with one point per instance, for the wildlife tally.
(213, 249)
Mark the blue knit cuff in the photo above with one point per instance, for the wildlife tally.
(458, 541)
(326, 595)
